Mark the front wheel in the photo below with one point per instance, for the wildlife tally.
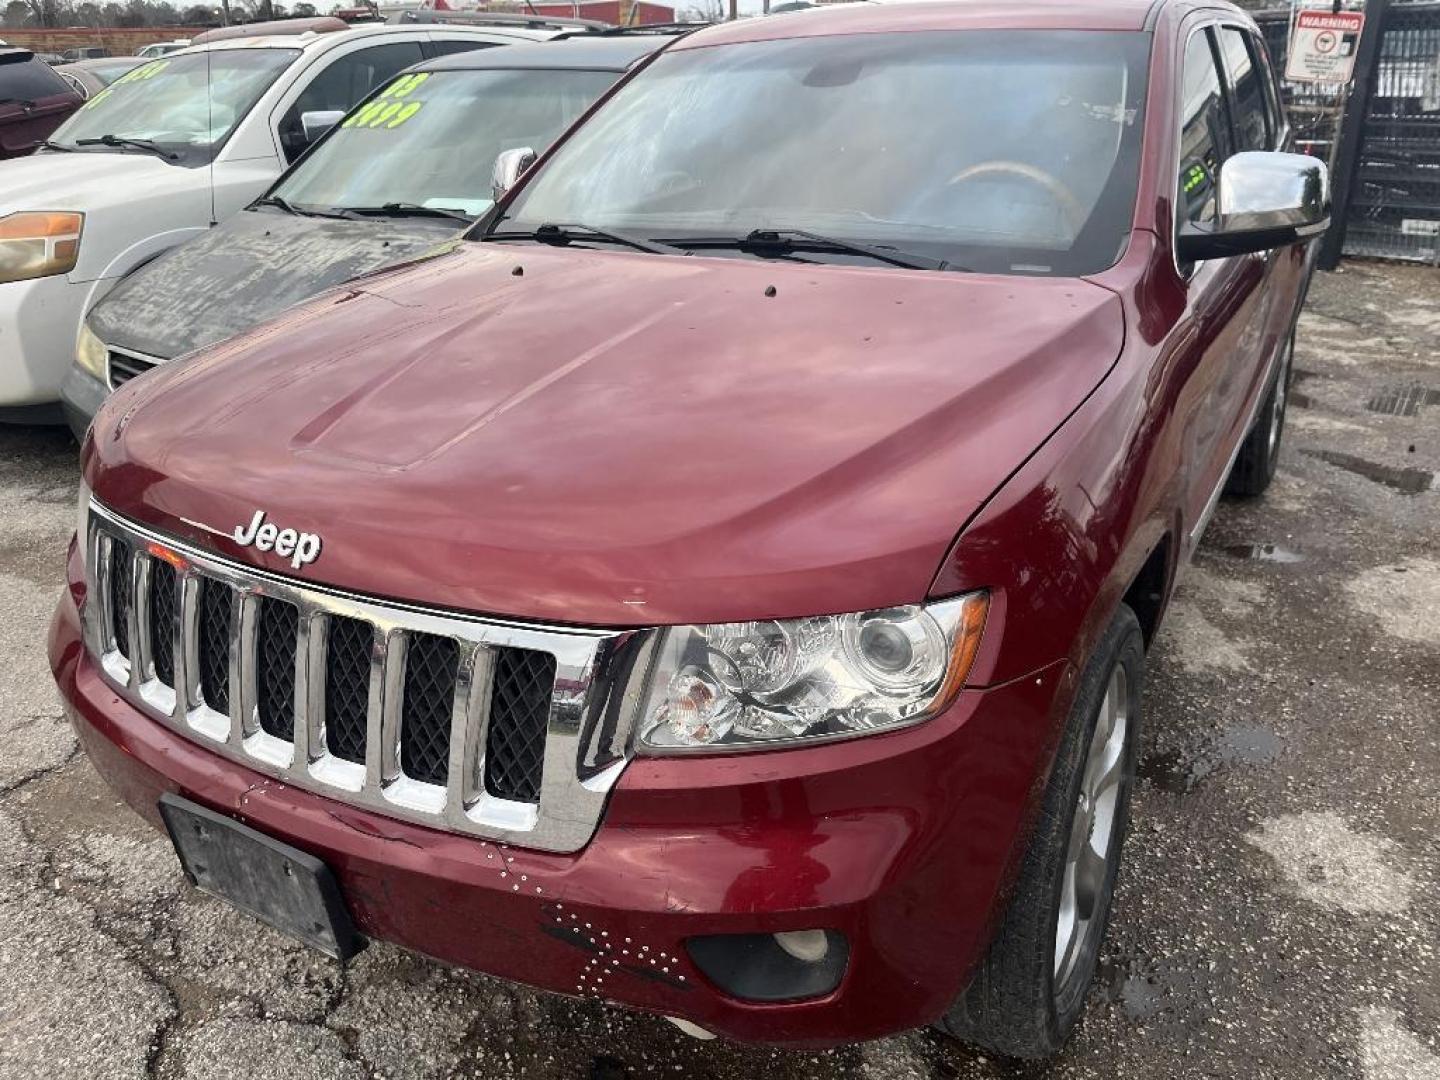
(1030, 989)
(1260, 452)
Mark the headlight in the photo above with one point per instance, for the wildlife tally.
(736, 686)
(37, 245)
(90, 352)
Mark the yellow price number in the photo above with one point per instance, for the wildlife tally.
(134, 75)
(390, 108)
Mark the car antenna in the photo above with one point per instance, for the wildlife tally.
(210, 130)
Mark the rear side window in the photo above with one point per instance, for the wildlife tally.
(29, 80)
(1247, 91)
(344, 83)
(457, 45)
(1204, 133)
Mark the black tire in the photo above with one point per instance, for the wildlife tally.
(1017, 1004)
(1260, 452)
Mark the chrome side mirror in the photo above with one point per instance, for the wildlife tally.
(1266, 200)
(315, 124)
(510, 165)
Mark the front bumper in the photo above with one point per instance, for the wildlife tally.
(81, 395)
(39, 322)
(903, 843)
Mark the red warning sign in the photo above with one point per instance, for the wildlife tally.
(1324, 45)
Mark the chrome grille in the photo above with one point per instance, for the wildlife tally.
(275, 640)
(121, 590)
(347, 687)
(216, 604)
(515, 752)
(124, 366)
(505, 730)
(431, 670)
(163, 604)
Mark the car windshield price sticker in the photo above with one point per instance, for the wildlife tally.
(1324, 45)
(390, 109)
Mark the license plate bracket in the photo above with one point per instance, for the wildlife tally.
(281, 885)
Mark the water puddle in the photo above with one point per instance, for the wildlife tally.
(1404, 402)
(1244, 744)
(1263, 553)
(1145, 995)
(1408, 481)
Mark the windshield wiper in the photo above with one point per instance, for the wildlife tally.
(281, 203)
(125, 142)
(24, 103)
(46, 144)
(405, 209)
(788, 241)
(561, 235)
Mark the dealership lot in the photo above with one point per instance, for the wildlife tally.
(1276, 915)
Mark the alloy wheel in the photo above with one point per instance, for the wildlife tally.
(1093, 830)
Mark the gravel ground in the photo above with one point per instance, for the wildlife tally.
(1276, 915)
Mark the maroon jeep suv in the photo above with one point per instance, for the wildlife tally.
(720, 583)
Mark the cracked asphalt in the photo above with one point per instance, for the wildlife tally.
(1277, 911)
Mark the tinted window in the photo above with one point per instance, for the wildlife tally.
(455, 45)
(1247, 91)
(1204, 133)
(342, 84)
(431, 138)
(28, 81)
(1010, 152)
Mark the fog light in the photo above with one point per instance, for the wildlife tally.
(787, 966)
(808, 946)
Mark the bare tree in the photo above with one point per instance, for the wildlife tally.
(704, 11)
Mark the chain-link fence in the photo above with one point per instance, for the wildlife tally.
(1394, 209)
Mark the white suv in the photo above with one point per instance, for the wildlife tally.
(155, 159)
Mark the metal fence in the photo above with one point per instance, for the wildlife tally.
(1394, 206)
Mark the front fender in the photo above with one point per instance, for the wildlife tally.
(1061, 541)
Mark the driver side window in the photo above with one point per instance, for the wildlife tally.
(343, 83)
(1204, 134)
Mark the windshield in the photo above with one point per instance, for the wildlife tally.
(430, 139)
(1008, 152)
(165, 101)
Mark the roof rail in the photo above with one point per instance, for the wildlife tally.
(323, 24)
(655, 28)
(497, 18)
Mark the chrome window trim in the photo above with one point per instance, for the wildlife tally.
(587, 742)
(1199, 22)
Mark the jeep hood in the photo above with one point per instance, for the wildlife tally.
(614, 438)
(246, 270)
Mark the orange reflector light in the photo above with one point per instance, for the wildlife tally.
(34, 226)
(164, 554)
(966, 646)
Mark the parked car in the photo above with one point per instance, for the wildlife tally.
(34, 101)
(162, 48)
(370, 195)
(88, 52)
(89, 77)
(184, 142)
(722, 585)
